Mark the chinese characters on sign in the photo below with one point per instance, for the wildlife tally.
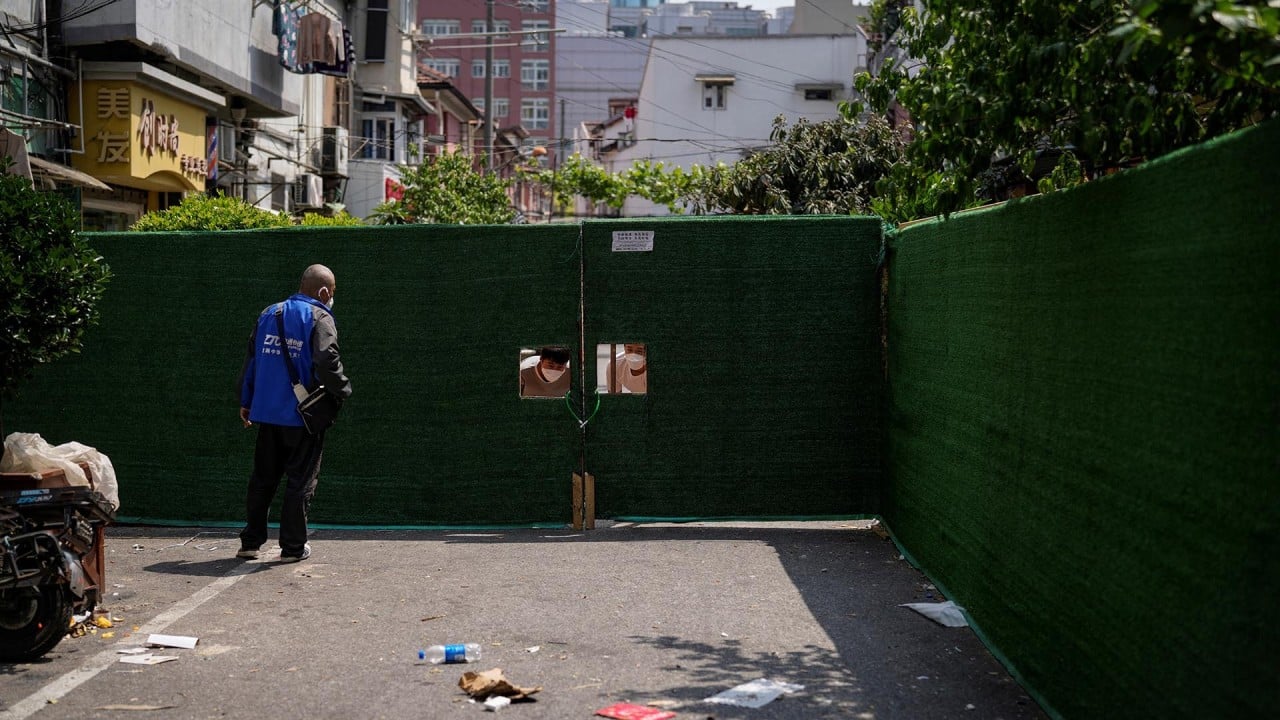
(157, 133)
(633, 241)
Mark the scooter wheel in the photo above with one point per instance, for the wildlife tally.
(32, 621)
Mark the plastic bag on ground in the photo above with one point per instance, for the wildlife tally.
(28, 452)
(947, 613)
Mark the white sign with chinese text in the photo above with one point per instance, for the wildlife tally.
(633, 241)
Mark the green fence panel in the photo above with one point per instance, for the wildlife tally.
(1083, 431)
(764, 383)
(431, 321)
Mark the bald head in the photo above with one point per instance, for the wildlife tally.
(316, 278)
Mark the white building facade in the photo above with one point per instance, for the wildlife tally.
(714, 99)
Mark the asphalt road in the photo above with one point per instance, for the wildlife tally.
(666, 615)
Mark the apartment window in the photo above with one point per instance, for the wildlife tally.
(535, 74)
(375, 32)
(817, 94)
(499, 26)
(445, 66)
(408, 11)
(536, 42)
(713, 97)
(715, 90)
(502, 68)
(440, 27)
(535, 113)
(477, 68)
(378, 138)
(501, 106)
(535, 6)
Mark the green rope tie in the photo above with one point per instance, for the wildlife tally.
(582, 423)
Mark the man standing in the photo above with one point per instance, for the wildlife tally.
(284, 447)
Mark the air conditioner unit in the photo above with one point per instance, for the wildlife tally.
(335, 149)
(308, 191)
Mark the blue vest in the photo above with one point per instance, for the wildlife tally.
(267, 390)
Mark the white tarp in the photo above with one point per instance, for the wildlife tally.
(28, 452)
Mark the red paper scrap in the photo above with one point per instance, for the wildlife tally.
(627, 711)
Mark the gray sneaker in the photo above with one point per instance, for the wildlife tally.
(248, 553)
(306, 553)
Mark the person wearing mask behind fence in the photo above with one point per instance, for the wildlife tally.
(545, 374)
(267, 399)
(632, 369)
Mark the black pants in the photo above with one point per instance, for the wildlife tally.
(295, 454)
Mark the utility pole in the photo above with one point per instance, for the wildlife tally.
(488, 86)
(559, 159)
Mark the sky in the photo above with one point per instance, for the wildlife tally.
(765, 4)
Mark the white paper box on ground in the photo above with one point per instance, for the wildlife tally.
(177, 641)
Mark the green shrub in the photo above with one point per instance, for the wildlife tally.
(342, 217)
(50, 280)
(203, 212)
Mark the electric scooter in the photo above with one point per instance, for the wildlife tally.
(51, 559)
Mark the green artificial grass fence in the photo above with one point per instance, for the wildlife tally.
(764, 366)
(1083, 431)
(431, 322)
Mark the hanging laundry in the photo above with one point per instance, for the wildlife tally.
(318, 40)
(342, 68)
(285, 20)
(14, 147)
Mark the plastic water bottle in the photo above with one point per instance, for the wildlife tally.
(436, 654)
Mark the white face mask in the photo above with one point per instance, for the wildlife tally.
(551, 374)
(635, 358)
(331, 302)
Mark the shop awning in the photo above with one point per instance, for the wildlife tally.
(55, 172)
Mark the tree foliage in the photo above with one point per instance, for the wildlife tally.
(645, 178)
(829, 167)
(339, 218)
(206, 212)
(50, 280)
(447, 189)
(1111, 82)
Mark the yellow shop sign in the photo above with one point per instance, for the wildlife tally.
(137, 136)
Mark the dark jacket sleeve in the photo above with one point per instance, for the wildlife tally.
(245, 383)
(326, 361)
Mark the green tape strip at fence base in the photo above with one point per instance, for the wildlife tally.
(163, 522)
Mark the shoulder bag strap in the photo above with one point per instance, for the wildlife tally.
(284, 346)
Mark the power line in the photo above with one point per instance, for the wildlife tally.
(87, 8)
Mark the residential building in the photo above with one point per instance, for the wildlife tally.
(159, 98)
(829, 16)
(780, 22)
(705, 18)
(597, 78)
(627, 16)
(33, 102)
(246, 124)
(583, 17)
(453, 44)
(713, 99)
(455, 123)
(388, 109)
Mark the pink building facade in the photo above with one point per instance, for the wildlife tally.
(523, 80)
